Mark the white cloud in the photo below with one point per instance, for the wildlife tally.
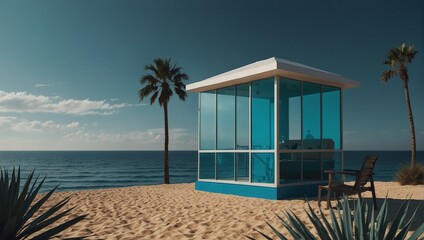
(23, 125)
(21, 102)
(42, 85)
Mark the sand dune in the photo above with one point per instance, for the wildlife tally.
(177, 211)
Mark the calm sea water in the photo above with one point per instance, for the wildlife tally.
(76, 170)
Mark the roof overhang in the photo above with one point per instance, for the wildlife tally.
(269, 68)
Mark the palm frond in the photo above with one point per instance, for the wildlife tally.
(166, 79)
(146, 91)
(386, 75)
(181, 93)
(149, 79)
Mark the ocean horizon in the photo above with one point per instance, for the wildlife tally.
(86, 170)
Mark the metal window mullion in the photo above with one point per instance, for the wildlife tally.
(341, 133)
(321, 133)
(216, 132)
(235, 133)
(250, 132)
(301, 130)
(198, 135)
(276, 131)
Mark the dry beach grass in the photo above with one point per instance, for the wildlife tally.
(177, 211)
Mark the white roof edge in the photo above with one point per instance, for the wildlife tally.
(268, 68)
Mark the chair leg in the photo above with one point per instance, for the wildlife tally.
(328, 198)
(319, 196)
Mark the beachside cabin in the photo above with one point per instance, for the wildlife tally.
(269, 129)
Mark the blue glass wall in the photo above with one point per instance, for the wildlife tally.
(331, 117)
(311, 111)
(207, 166)
(242, 117)
(290, 114)
(263, 167)
(225, 118)
(309, 120)
(207, 120)
(263, 114)
(242, 160)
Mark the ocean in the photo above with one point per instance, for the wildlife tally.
(78, 170)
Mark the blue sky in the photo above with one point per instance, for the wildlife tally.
(70, 70)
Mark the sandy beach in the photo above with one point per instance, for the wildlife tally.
(177, 211)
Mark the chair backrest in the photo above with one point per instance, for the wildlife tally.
(366, 171)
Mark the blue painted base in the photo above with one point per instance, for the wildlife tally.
(282, 192)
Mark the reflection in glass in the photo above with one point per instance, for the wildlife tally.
(311, 115)
(331, 161)
(207, 120)
(207, 166)
(263, 167)
(330, 117)
(225, 118)
(290, 167)
(290, 114)
(263, 114)
(225, 166)
(242, 116)
(311, 166)
(242, 166)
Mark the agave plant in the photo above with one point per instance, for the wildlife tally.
(361, 224)
(17, 209)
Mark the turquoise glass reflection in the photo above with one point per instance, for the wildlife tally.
(225, 118)
(330, 117)
(290, 114)
(331, 161)
(225, 166)
(242, 117)
(242, 162)
(207, 166)
(312, 166)
(263, 167)
(311, 103)
(290, 167)
(263, 114)
(207, 120)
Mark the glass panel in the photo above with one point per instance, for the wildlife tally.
(311, 116)
(242, 117)
(225, 166)
(207, 166)
(331, 161)
(330, 117)
(242, 166)
(263, 167)
(311, 166)
(207, 120)
(225, 118)
(263, 114)
(290, 167)
(290, 116)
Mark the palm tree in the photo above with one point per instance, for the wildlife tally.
(165, 78)
(397, 59)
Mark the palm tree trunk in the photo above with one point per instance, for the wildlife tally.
(165, 160)
(411, 122)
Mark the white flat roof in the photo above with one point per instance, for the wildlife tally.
(268, 68)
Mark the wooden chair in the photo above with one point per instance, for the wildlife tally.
(362, 177)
